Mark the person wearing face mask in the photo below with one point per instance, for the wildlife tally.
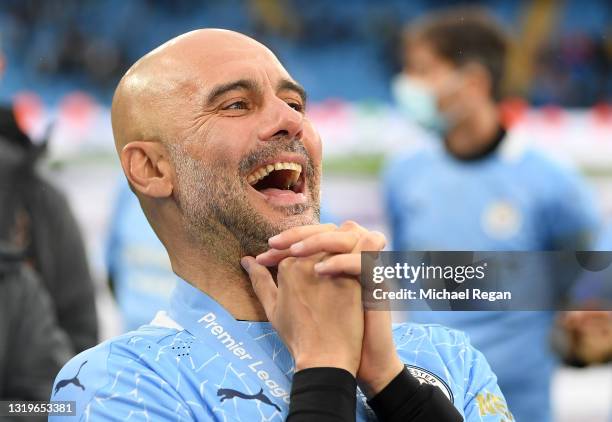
(475, 190)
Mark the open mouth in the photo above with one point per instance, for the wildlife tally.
(277, 178)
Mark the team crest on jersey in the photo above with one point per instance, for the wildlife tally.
(426, 377)
(501, 220)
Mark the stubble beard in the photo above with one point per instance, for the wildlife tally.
(216, 211)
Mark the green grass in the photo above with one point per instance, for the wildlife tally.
(362, 164)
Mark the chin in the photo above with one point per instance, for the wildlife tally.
(292, 218)
(272, 222)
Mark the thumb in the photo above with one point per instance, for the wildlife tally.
(263, 284)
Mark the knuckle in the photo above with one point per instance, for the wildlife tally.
(379, 238)
(286, 264)
(354, 236)
(350, 238)
(349, 225)
(302, 265)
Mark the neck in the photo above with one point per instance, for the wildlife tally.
(227, 284)
(475, 132)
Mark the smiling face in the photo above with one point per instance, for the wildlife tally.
(246, 160)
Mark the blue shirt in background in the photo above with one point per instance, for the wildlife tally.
(138, 263)
(509, 200)
(605, 241)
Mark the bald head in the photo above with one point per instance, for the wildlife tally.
(195, 121)
(152, 90)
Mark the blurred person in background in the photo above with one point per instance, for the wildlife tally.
(139, 271)
(475, 190)
(36, 219)
(33, 348)
(605, 241)
(584, 338)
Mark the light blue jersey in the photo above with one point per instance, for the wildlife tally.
(513, 201)
(605, 241)
(220, 369)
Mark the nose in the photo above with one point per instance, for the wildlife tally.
(281, 121)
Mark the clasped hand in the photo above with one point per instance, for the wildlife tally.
(315, 304)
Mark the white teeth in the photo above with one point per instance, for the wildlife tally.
(295, 177)
(263, 171)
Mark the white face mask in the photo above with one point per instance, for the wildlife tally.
(418, 103)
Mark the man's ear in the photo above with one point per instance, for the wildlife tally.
(148, 169)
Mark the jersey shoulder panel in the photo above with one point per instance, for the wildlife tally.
(445, 358)
(440, 338)
(117, 377)
(547, 167)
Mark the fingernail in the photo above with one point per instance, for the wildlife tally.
(274, 238)
(319, 266)
(245, 263)
(297, 247)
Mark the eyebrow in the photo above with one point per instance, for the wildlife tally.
(219, 90)
(249, 85)
(289, 85)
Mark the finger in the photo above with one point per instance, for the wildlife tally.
(350, 225)
(349, 264)
(287, 238)
(263, 284)
(331, 242)
(370, 241)
(272, 257)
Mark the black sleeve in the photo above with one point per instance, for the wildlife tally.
(406, 399)
(323, 395)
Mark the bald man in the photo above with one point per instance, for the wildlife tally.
(266, 321)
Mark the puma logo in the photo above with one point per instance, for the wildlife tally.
(74, 380)
(228, 393)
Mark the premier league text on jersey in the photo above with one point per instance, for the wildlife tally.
(236, 347)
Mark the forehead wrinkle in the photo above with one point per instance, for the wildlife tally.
(154, 91)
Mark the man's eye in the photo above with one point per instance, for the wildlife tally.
(296, 106)
(237, 105)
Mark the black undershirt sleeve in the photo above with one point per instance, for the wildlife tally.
(323, 395)
(329, 395)
(406, 399)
